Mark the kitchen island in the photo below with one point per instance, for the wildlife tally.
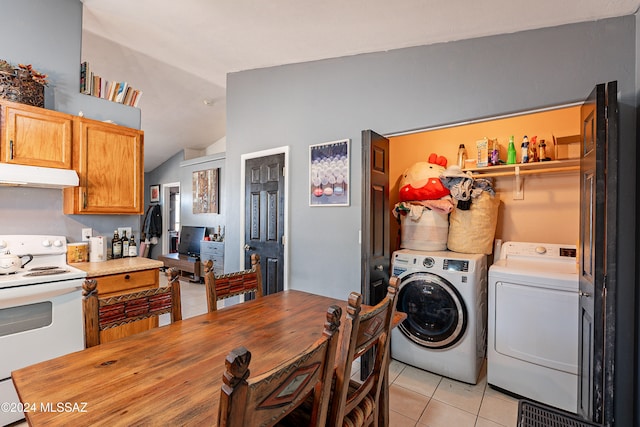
(124, 275)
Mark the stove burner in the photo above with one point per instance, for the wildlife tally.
(46, 267)
(48, 272)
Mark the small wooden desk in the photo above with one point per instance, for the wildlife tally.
(170, 375)
(184, 263)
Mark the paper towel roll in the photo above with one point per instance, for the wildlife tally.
(97, 249)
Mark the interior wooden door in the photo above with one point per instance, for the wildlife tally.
(598, 170)
(264, 218)
(375, 245)
(376, 248)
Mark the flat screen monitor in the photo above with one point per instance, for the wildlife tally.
(190, 238)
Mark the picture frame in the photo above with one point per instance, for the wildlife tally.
(329, 172)
(205, 191)
(154, 193)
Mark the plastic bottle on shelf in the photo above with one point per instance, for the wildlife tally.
(533, 151)
(495, 153)
(462, 156)
(543, 151)
(525, 150)
(511, 152)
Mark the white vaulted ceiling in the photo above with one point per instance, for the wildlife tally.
(179, 52)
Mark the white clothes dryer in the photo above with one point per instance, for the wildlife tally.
(445, 297)
(533, 323)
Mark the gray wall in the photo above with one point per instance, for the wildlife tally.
(178, 170)
(47, 34)
(187, 168)
(309, 103)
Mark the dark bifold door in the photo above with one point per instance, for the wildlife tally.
(598, 198)
(264, 218)
(375, 249)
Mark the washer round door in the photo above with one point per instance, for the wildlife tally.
(436, 313)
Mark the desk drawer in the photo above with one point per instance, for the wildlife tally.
(211, 248)
(127, 282)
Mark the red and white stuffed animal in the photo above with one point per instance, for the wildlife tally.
(421, 181)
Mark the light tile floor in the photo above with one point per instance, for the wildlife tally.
(417, 398)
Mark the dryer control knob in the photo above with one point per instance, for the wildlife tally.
(541, 250)
(428, 262)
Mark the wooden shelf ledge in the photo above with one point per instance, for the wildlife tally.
(553, 166)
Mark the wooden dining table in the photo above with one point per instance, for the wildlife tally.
(170, 375)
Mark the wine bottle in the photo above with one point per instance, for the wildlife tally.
(116, 246)
(133, 248)
(125, 245)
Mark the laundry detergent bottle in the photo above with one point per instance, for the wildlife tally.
(511, 152)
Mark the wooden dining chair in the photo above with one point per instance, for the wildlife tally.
(232, 284)
(268, 398)
(355, 403)
(104, 313)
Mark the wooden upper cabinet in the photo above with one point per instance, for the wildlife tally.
(109, 162)
(35, 136)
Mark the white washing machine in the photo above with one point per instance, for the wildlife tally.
(533, 323)
(445, 297)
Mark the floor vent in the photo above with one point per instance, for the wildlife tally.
(532, 414)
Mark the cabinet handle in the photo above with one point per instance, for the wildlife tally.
(127, 277)
(11, 149)
(84, 199)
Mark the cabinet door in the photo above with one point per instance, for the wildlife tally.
(36, 136)
(108, 159)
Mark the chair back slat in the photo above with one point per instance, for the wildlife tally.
(266, 399)
(363, 331)
(232, 284)
(105, 313)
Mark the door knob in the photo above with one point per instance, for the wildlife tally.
(585, 294)
(379, 267)
(248, 248)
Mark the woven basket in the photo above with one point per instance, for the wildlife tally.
(19, 87)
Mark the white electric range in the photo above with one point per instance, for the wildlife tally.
(40, 310)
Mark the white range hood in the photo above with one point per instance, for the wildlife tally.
(35, 176)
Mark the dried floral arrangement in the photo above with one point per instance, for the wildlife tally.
(35, 75)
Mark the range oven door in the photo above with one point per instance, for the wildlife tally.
(436, 313)
(37, 323)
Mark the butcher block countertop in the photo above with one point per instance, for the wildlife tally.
(117, 266)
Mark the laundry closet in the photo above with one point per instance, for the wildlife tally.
(546, 207)
(447, 292)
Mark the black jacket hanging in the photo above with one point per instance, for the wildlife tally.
(153, 222)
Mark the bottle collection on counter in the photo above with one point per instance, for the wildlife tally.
(123, 247)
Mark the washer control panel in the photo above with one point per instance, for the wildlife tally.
(403, 262)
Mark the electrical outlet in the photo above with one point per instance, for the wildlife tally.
(121, 231)
(87, 233)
